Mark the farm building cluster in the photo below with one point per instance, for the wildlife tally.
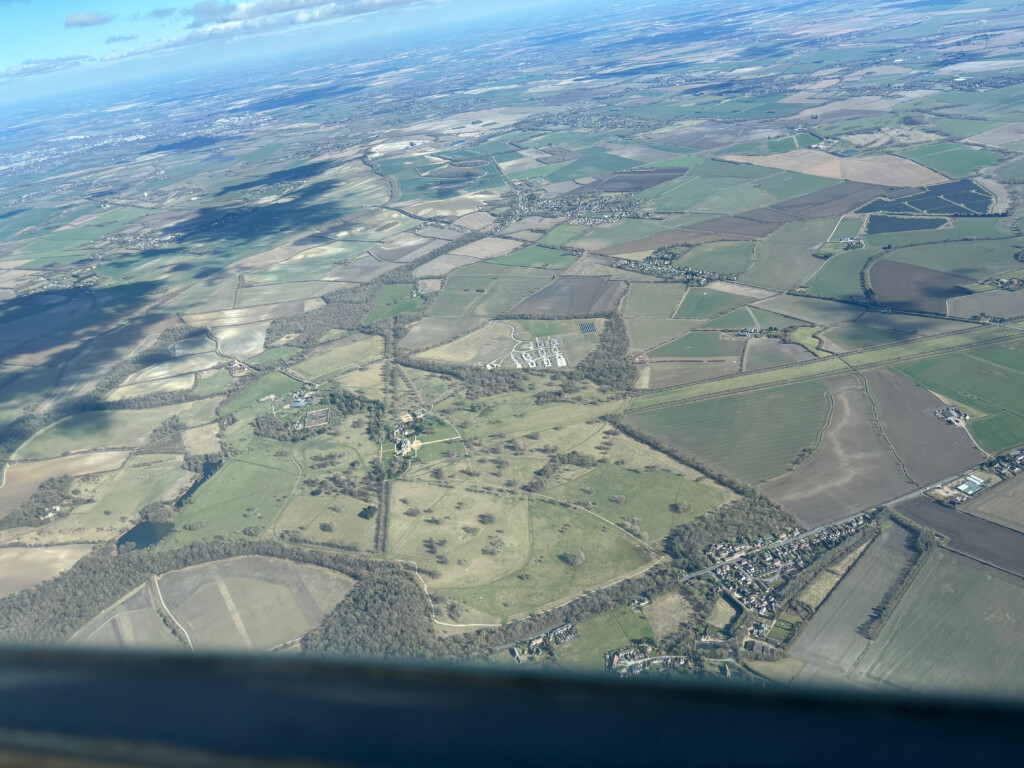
(750, 574)
(953, 416)
(632, 660)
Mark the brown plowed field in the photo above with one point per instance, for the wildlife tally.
(852, 468)
(929, 448)
(909, 287)
(973, 536)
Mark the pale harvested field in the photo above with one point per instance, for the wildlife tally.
(403, 248)
(887, 135)
(242, 341)
(442, 265)
(201, 440)
(488, 248)
(539, 223)
(887, 170)
(481, 346)
(431, 331)
(739, 289)
(859, 105)
(24, 567)
(176, 367)
(833, 640)
(229, 317)
(997, 303)
(429, 285)
(819, 589)
(436, 233)
(667, 612)
(23, 479)
(1003, 504)
(997, 137)
(478, 221)
(172, 384)
(831, 484)
(245, 603)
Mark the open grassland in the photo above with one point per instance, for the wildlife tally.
(768, 353)
(97, 430)
(875, 358)
(259, 484)
(652, 300)
(468, 535)
(341, 359)
(544, 578)
(647, 494)
(329, 520)
(668, 613)
(616, 628)
(956, 629)
(835, 637)
(431, 331)
(255, 603)
(752, 436)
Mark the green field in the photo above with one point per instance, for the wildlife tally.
(652, 300)
(847, 227)
(483, 296)
(341, 358)
(614, 629)
(624, 495)
(727, 257)
(784, 259)
(752, 436)
(537, 256)
(272, 383)
(851, 337)
(393, 300)
(839, 277)
(644, 333)
(700, 344)
(96, 430)
(562, 234)
(974, 259)
(990, 388)
(707, 302)
(953, 160)
(957, 628)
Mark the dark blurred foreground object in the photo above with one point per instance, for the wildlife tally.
(65, 708)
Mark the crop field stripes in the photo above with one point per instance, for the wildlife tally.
(821, 367)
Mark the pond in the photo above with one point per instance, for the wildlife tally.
(145, 534)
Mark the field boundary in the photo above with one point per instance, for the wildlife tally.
(824, 374)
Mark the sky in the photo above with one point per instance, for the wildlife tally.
(39, 38)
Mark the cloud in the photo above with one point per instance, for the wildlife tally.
(87, 19)
(120, 38)
(279, 13)
(41, 66)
